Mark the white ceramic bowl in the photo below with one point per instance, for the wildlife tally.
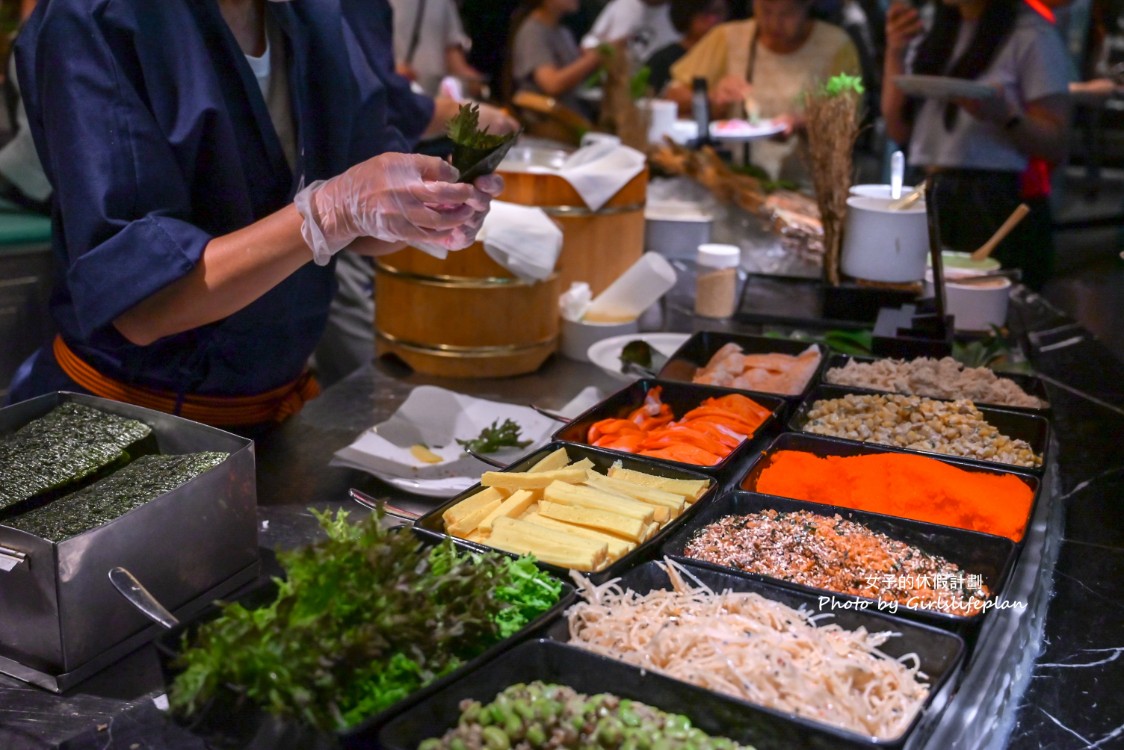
(884, 245)
(974, 307)
(882, 192)
(579, 335)
(961, 264)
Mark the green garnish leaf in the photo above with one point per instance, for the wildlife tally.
(640, 352)
(842, 84)
(495, 436)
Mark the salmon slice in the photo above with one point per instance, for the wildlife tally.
(688, 454)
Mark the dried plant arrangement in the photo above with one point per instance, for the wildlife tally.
(621, 88)
(832, 113)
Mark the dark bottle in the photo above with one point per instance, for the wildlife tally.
(700, 109)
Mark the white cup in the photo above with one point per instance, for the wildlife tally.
(880, 244)
(974, 307)
(874, 190)
(661, 118)
(579, 335)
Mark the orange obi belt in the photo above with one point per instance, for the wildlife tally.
(220, 411)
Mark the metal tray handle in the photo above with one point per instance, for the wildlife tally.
(10, 558)
(141, 598)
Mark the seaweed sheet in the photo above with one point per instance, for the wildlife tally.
(67, 444)
(142, 481)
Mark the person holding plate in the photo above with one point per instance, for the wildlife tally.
(979, 144)
(760, 68)
(209, 161)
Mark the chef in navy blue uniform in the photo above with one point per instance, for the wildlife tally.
(198, 204)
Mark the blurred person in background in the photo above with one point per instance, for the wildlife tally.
(980, 147)
(430, 44)
(692, 19)
(546, 59)
(760, 68)
(644, 24)
(22, 181)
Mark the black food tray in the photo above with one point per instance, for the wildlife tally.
(697, 351)
(681, 397)
(433, 524)
(808, 302)
(822, 445)
(1034, 429)
(585, 672)
(1030, 384)
(235, 722)
(940, 654)
(991, 557)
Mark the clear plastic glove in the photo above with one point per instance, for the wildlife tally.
(396, 198)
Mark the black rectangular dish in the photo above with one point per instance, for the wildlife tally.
(237, 723)
(821, 447)
(433, 523)
(681, 397)
(990, 557)
(697, 351)
(939, 653)
(585, 672)
(1034, 429)
(1028, 383)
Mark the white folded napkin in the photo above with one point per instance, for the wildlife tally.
(598, 171)
(522, 239)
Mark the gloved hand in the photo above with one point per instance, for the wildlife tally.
(395, 198)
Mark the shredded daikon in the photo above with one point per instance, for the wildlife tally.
(752, 648)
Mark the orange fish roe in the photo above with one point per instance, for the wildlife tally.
(904, 485)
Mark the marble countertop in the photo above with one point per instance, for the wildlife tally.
(1070, 699)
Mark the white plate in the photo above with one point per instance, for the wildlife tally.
(432, 487)
(743, 130)
(606, 353)
(436, 418)
(942, 87)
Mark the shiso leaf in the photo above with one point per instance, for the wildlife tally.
(470, 143)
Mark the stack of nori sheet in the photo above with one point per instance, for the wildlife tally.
(143, 480)
(69, 443)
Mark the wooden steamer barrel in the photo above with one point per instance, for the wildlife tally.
(463, 317)
(597, 246)
(467, 316)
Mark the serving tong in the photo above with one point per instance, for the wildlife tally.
(373, 503)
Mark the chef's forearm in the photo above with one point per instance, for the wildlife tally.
(234, 270)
